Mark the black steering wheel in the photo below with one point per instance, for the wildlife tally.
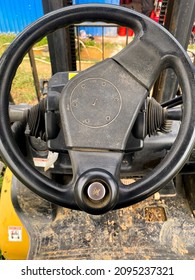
(98, 109)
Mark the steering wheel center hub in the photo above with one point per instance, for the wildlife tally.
(96, 191)
(95, 102)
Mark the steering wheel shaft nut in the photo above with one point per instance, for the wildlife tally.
(96, 191)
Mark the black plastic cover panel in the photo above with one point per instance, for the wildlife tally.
(99, 107)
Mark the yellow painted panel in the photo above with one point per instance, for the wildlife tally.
(72, 74)
(14, 239)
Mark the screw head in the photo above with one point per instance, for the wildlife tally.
(96, 191)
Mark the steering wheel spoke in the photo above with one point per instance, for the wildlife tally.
(147, 72)
(154, 48)
(97, 173)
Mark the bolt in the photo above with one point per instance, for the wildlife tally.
(96, 191)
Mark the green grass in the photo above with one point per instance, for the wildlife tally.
(42, 42)
(6, 39)
(23, 90)
(90, 43)
(191, 46)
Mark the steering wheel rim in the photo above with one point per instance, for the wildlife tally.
(181, 148)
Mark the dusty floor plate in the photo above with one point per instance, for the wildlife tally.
(163, 229)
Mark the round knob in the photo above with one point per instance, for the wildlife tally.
(96, 191)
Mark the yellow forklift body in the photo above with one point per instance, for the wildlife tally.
(14, 239)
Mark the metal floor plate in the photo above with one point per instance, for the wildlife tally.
(152, 229)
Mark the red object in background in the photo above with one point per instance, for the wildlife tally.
(154, 16)
(193, 29)
(156, 12)
(136, 5)
(122, 31)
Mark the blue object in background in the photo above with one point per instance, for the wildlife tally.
(98, 31)
(15, 15)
